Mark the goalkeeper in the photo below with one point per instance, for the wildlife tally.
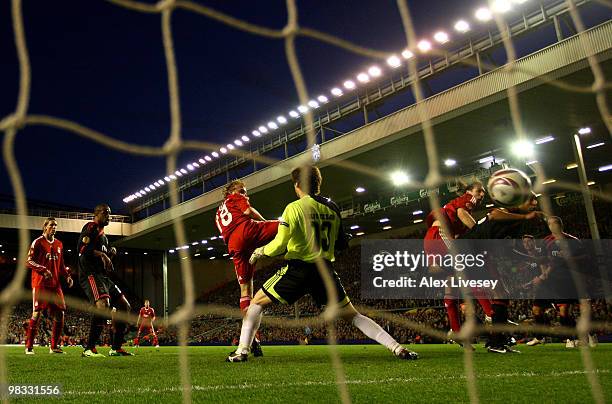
(311, 229)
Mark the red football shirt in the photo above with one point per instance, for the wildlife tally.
(147, 315)
(45, 255)
(231, 214)
(465, 201)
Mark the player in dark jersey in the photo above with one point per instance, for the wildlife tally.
(46, 260)
(94, 265)
(146, 317)
(243, 229)
(499, 223)
(557, 285)
(457, 217)
(311, 231)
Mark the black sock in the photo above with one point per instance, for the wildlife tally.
(539, 321)
(567, 321)
(500, 317)
(97, 324)
(119, 332)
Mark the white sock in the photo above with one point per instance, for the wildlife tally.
(376, 332)
(250, 325)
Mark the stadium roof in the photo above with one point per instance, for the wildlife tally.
(465, 134)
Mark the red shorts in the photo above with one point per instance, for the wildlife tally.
(54, 298)
(244, 240)
(148, 329)
(433, 243)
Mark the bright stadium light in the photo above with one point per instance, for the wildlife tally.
(195, 243)
(322, 99)
(230, 146)
(417, 221)
(417, 212)
(483, 14)
(592, 146)
(571, 166)
(501, 6)
(210, 248)
(462, 26)
(172, 177)
(263, 129)
(256, 133)
(489, 205)
(215, 154)
(223, 150)
(550, 181)
(245, 138)
(294, 114)
(214, 238)
(394, 61)
(523, 148)
(143, 192)
(147, 189)
(407, 54)
(272, 125)
(202, 161)
(354, 227)
(363, 78)
(424, 45)
(178, 173)
(336, 91)
(374, 71)
(204, 242)
(584, 131)
(212, 258)
(349, 84)
(399, 178)
(190, 167)
(238, 142)
(387, 227)
(183, 171)
(384, 220)
(125, 200)
(302, 109)
(167, 179)
(591, 183)
(605, 168)
(196, 165)
(360, 190)
(450, 162)
(313, 104)
(441, 37)
(281, 119)
(360, 233)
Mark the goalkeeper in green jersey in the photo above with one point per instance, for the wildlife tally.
(310, 231)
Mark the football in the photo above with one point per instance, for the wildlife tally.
(509, 187)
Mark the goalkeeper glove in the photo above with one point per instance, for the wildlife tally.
(257, 254)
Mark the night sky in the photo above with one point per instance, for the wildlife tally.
(103, 66)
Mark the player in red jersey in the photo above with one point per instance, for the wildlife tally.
(46, 260)
(457, 219)
(145, 322)
(243, 229)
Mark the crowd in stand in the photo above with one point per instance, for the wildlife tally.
(222, 330)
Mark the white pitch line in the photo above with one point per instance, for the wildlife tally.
(245, 386)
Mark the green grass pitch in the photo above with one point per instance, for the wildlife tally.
(549, 373)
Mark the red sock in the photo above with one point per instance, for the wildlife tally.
(452, 311)
(58, 326)
(155, 341)
(245, 302)
(486, 306)
(32, 330)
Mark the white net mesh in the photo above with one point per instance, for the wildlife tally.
(176, 144)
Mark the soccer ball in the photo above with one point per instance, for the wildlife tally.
(509, 187)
